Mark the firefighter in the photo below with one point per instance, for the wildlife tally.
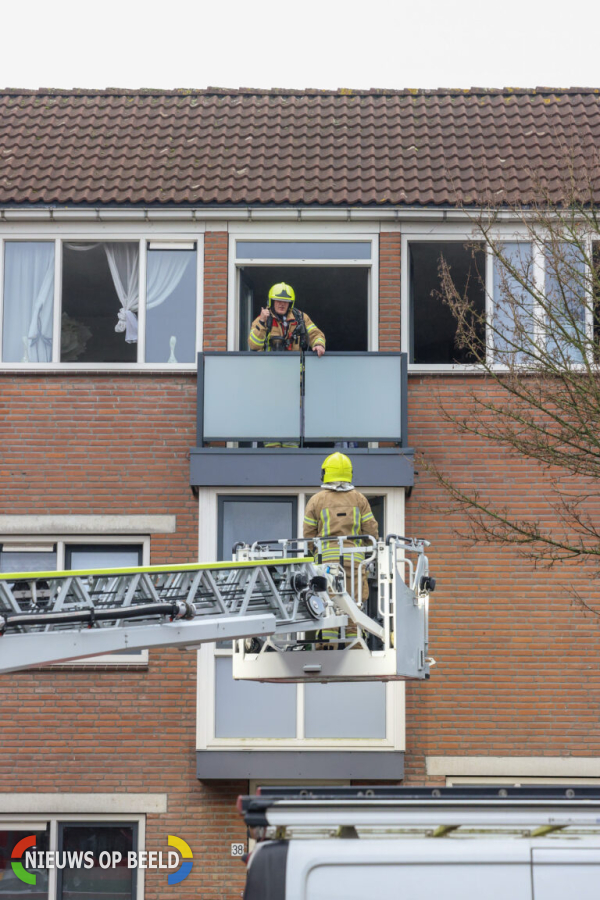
(282, 327)
(339, 509)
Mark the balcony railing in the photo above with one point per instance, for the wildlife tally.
(301, 399)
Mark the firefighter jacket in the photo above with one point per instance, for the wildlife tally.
(285, 329)
(335, 511)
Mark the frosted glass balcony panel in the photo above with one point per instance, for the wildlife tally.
(252, 397)
(353, 397)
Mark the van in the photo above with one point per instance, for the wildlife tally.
(361, 843)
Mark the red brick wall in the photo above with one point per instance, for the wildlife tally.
(215, 290)
(100, 444)
(389, 290)
(516, 671)
(517, 664)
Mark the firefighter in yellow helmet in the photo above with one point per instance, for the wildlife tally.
(339, 509)
(281, 326)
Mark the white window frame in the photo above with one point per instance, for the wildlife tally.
(205, 719)
(59, 234)
(297, 232)
(514, 781)
(33, 822)
(31, 543)
(414, 233)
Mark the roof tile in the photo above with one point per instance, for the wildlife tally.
(247, 146)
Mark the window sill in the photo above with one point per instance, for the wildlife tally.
(109, 661)
(98, 368)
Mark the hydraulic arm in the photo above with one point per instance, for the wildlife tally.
(274, 598)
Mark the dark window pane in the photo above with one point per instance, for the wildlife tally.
(303, 250)
(114, 883)
(11, 886)
(433, 324)
(171, 306)
(335, 297)
(99, 280)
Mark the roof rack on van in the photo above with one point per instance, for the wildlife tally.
(434, 811)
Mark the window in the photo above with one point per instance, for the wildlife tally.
(534, 297)
(514, 320)
(171, 306)
(565, 302)
(97, 883)
(239, 713)
(433, 325)
(54, 835)
(31, 556)
(12, 887)
(28, 301)
(334, 282)
(118, 302)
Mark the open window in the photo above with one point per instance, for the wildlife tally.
(433, 326)
(99, 302)
(331, 279)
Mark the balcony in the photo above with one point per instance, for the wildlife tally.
(350, 401)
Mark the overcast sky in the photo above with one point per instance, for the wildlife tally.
(323, 44)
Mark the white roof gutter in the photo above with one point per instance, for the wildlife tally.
(247, 214)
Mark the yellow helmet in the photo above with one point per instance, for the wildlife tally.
(282, 291)
(337, 467)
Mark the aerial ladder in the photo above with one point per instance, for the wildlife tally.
(290, 616)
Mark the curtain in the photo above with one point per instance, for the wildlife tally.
(165, 271)
(28, 301)
(123, 262)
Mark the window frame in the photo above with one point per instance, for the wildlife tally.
(100, 823)
(449, 233)
(295, 233)
(147, 240)
(30, 821)
(208, 507)
(105, 541)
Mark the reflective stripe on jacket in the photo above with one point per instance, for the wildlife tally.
(258, 333)
(332, 513)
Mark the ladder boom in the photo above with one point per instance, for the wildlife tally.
(48, 617)
(284, 601)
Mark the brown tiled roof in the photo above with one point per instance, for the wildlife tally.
(248, 147)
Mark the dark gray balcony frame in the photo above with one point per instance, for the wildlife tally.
(200, 440)
(297, 467)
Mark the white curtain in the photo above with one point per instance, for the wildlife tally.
(28, 301)
(123, 262)
(165, 271)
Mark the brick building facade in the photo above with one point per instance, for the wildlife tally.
(96, 455)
